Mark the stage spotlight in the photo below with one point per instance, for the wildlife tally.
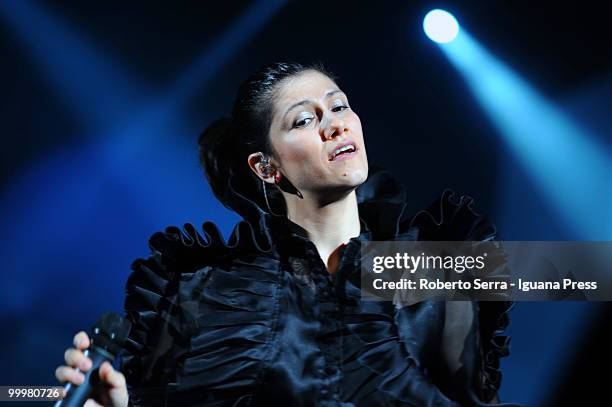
(440, 26)
(566, 163)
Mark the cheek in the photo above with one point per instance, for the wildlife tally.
(355, 125)
(300, 147)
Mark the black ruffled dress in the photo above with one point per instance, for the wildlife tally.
(258, 321)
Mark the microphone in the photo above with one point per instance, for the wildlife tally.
(107, 337)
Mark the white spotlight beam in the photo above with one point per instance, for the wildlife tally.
(563, 158)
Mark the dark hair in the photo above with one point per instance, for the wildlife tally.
(227, 142)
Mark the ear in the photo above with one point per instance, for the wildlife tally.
(255, 163)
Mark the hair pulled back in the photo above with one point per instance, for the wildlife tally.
(224, 146)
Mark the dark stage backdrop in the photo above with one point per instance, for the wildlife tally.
(103, 103)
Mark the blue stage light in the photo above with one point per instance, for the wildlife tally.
(440, 26)
(567, 164)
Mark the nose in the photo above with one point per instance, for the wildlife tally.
(335, 127)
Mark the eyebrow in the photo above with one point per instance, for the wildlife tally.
(306, 101)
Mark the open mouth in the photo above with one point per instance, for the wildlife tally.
(343, 151)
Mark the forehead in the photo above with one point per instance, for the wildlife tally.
(307, 85)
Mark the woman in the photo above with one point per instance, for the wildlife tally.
(274, 316)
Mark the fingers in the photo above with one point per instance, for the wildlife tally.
(111, 376)
(68, 374)
(76, 358)
(81, 340)
(92, 403)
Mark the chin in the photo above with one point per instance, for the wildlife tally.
(355, 177)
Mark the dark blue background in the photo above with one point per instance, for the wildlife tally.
(103, 103)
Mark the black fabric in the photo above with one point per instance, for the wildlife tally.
(258, 320)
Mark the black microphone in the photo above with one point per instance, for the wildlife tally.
(107, 337)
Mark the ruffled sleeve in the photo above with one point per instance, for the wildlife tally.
(167, 297)
(452, 218)
(151, 306)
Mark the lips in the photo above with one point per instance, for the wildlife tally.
(341, 150)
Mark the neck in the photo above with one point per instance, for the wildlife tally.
(330, 225)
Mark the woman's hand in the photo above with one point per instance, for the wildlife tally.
(113, 393)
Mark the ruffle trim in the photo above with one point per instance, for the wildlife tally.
(494, 320)
(187, 250)
(453, 218)
(152, 302)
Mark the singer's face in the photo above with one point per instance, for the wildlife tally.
(311, 120)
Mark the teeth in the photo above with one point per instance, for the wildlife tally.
(342, 149)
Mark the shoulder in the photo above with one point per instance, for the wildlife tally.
(451, 216)
(186, 249)
(174, 254)
(187, 274)
(177, 251)
(180, 255)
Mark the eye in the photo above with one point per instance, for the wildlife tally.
(302, 122)
(338, 106)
